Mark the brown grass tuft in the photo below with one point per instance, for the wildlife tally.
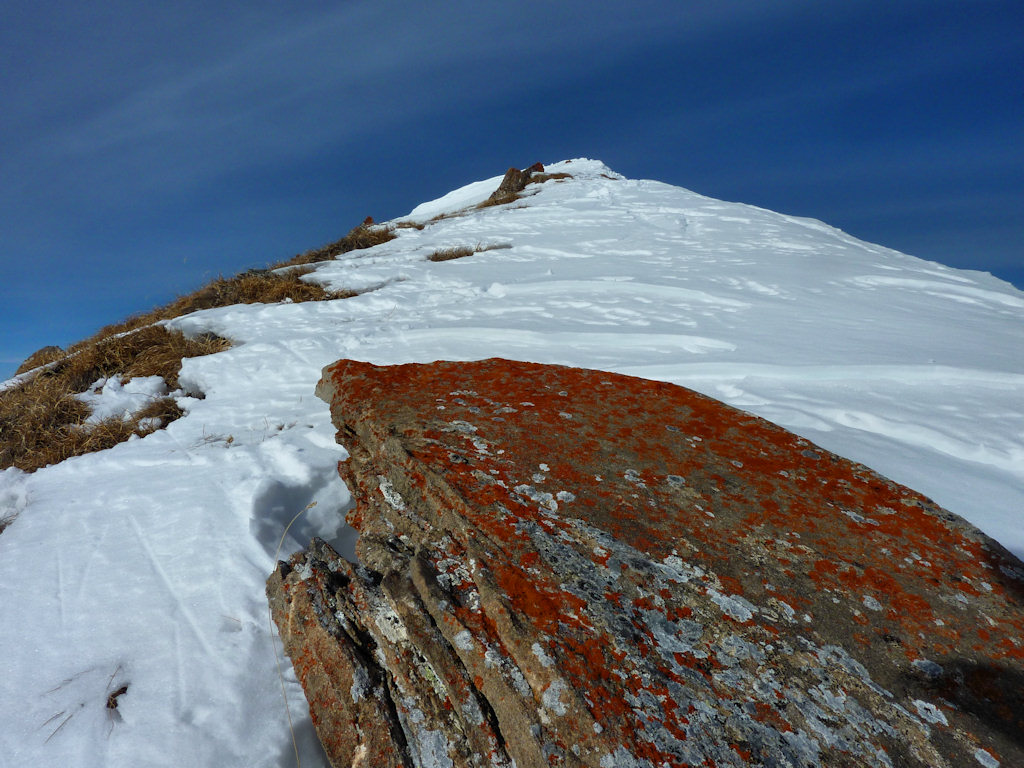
(40, 357)
(159, 413)
(508, 197)
(540, 178)
(363, 236)
(256, 286)
(461, 251)
(446, 216)
(42, 423)
(447, 254)
(148, 351)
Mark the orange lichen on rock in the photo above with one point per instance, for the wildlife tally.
(561, 567)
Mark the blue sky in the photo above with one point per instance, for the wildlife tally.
(146, 148)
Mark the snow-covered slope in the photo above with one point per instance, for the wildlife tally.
(144, 565)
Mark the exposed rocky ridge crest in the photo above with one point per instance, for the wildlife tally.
(569, 567)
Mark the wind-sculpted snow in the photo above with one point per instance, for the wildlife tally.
(151, 556)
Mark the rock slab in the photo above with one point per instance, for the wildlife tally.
(561, 567)
(513, 183)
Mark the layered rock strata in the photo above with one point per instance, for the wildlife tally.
(561, 567)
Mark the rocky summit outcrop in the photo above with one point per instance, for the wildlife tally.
(512, 184)
(561, 567)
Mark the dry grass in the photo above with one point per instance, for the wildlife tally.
(503, 199)
(363, 236)
(40, 357)
(540, 178)
(256, 286)
(41, 421)
(446, 216)
(447, 254)
(148, 351)
(461, 251)
(421, 225)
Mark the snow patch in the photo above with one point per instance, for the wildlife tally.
(111, 398)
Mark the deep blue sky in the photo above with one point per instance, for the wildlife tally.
(146, 148)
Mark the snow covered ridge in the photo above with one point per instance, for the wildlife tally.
(143, 566)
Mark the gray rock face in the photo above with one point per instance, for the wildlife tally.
(572, 568)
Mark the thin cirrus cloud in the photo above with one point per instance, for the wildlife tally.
(293, 83)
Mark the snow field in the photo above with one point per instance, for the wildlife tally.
(144, 565)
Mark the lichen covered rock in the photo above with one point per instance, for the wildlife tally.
(563, 567)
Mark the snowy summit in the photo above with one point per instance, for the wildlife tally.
(133, 620)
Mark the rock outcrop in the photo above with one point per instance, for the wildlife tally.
(515, 181)
(561, 567)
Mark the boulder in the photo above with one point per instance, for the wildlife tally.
(562, 567)
(515, 181)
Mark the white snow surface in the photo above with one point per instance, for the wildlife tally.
(144, 565)
(112, 397)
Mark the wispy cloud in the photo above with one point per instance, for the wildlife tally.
(134, 133)
(288, 84)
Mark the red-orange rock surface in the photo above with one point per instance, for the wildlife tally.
(569, 567)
